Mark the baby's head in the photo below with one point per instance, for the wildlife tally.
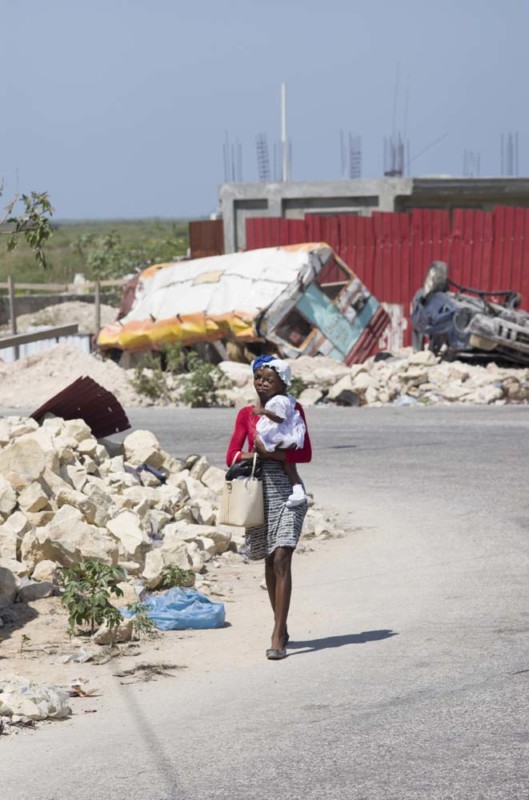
(271, 375)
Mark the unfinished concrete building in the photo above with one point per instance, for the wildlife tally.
(240, 201)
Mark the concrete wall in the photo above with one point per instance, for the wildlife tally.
(239, 201)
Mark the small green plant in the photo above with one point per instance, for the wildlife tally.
(33, 224)
(87, 590)
(141, 624)
(205, 383)
(24, 642)
(174, 358)
(149, 378)
(297, 386)
(172, 575)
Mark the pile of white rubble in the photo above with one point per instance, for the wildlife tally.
(404, 378)
(400, 378)
(64, 497)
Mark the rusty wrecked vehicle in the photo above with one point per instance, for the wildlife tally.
(461, 322)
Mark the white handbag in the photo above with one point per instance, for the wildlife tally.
(241, 501)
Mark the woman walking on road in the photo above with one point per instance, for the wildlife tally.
(276, 540)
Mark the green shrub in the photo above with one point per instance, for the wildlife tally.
(297, 386)
(172, 575)
(205, 383)
(149, 378)
(175, 358)
(87, 590)
(141, 624)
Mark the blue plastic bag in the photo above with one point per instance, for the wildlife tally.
(178, 609)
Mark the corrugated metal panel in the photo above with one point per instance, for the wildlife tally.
(518, 237)
(368, 343)
(85, 399)
(206, 238)
(524, 283)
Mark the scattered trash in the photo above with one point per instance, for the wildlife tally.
(81, 658)
(404, 400)
(78, 688)
(178, 609)
(146, 672)
(24, 700)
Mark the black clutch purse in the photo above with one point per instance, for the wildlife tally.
(246, 468)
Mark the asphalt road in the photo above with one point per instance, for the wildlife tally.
(409, 672)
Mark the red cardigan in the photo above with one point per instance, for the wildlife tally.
(245, 429)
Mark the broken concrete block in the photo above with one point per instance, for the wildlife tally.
(174, 551)
(88, 446)
(22, 463)
(423, 358)
(126, 528)
(67, 539)
(89, 465)
(8, 498)
(53, 482)
(172, 465)
(152, 571)
(19, 568)
(80, 501)
(17, 522)
(33, 498)
(74, 474)
(311, 395)
(200, 467)
(203, 512)
(132, 593)
(121, 633)
(77, 429)
(142, 447)
(33, 590)
(214, 478)
(8, 587)
(18, 426)
(46, 571)
(131, 568)
(8, 543)
(40, 518)
(197, 555)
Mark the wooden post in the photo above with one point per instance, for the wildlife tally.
(13, 312)
(97, 298)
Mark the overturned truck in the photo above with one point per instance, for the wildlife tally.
(303, 299)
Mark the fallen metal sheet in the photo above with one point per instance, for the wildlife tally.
(87, 400)
(303, 298)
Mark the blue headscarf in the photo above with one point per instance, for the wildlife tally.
(275, 363)
(261, 361)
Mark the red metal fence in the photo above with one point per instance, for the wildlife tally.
(391, 252)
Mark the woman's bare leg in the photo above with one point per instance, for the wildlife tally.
(278, 576)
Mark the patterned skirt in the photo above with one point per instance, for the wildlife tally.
(283, 525)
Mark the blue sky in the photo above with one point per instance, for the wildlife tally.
(119, 108)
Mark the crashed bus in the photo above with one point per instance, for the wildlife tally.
(301, 299)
